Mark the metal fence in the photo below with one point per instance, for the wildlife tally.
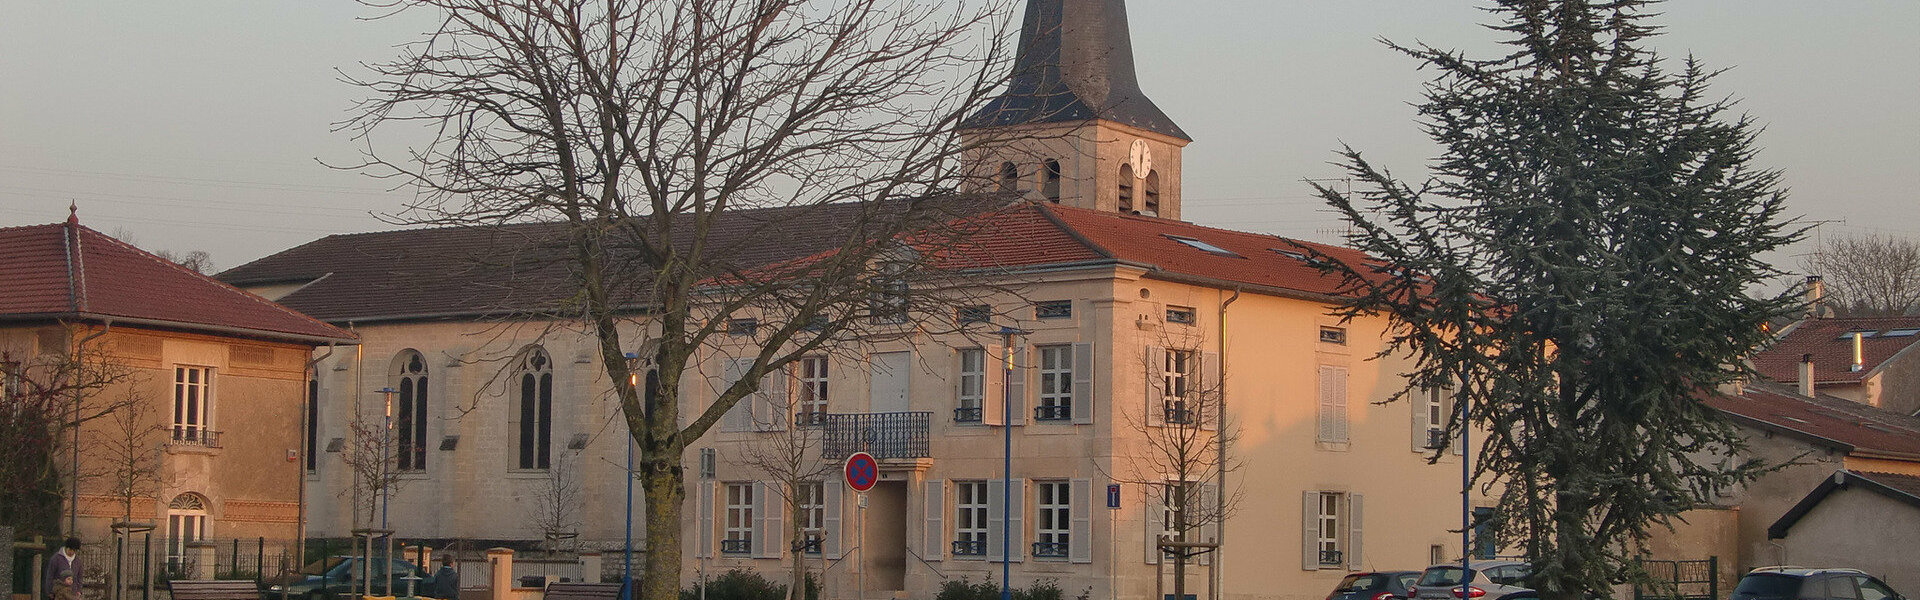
(1680, 580)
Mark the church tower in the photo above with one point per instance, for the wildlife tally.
(1073, 126)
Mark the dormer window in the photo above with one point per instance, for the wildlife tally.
(1009, 177)
(1050, 181)
(1152, 193)
(1126, 188)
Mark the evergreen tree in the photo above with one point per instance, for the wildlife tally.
(1579, 263)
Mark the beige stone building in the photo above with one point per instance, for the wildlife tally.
(211, 381)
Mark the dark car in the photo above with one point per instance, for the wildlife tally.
(1799, 583)
(1381, 585)
(338, 577)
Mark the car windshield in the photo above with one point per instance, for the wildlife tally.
(1355, 583)
(1441, 576)
(1766, 585)
(320, 567)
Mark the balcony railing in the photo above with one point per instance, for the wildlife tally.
(1332, 557)
(736, 546)
(970, 548)
(193, 436)
(1057, 412)
(1436, 438)
(1049, 549)
(966, 414)
(810, 418)
(884, 435)
(1177, 413)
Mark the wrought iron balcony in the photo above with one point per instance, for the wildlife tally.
(744, 546)
(884, 435)
(966, 414)
(1436, 438)
(970, 548)
(807, 418)
(194, 436)
(1177, 413)
(810, 544)
(1332, 557)
(1049, 549)
(1057, 412)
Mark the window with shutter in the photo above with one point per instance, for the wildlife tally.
(1333, 404)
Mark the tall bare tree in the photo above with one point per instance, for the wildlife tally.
(1869, 275)
(641, 125)
(46, 394)
(1183, 454)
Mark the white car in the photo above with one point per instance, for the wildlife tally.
(1489, 579)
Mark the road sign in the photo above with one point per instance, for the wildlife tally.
(1113, 495)
(862, 472)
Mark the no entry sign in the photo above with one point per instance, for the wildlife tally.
(862, 472)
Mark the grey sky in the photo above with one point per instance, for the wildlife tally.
(196, 124)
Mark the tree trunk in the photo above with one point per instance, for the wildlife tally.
(796, 530)
(665, 486)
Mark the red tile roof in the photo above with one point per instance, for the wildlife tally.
(1832, 355)
(1853, 426)
(68, 271)
(1252, 259)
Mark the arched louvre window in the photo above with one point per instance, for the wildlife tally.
(410, 375)
(533, 409)
(1009, 177)
(1153, 194)
(1050, 180)
(1126, 188)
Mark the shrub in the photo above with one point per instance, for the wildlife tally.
(742, 584)
(962, 589)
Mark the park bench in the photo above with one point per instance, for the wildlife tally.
(583, 591)
(242, 589)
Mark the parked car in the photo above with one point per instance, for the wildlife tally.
(1380, 585)
(1488, 579)
(1800, 583)
(337, 577)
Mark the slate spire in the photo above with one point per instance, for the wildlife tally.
(1075, 63)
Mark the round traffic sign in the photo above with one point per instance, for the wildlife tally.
(862, 472)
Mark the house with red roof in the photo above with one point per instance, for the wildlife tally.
(1870, 360)
(202, 383)
(1135, 326)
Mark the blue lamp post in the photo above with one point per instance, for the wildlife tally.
(1006, 485)
(626, 564)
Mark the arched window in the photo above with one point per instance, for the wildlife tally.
(1126, 188)
(532, 428)
(1009, 177)
(1050, 180)
(186, 522)
(410, 378)
(1153, 194)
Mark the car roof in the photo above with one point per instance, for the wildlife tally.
(1480, 564)
(1805, 571)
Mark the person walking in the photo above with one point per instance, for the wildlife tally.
(62, 577)
(446, 581)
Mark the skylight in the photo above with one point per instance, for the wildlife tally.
(1849, 335)
(1901, 333)
(1290, 254)
(1203, 246)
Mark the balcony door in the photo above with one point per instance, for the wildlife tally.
(890, 381)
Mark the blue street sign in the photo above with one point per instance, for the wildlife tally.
(1113, 495)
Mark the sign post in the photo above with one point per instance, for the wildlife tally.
(862, 473)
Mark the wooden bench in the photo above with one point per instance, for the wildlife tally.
(583, 591)
(214, 590)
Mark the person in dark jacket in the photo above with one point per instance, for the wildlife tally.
(446, 581)
(63, 571)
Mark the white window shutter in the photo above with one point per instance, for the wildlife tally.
(1155, 507)
(1017, 388)
(1419, 403)
(740, 417)
(1310, 531)
(1083, 396)
(1156, 402)
(996, 514)
(1016, 519)
(830, 534)
(1452, 403)
(1080, 536)
(760, 505)
(773, 401)
(1210, 528)
(1354, 513)
(993, 397)
(1333, 403)
(935, 506)
(1210, 387)
(705, 510)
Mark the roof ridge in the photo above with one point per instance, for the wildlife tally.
(209, 279)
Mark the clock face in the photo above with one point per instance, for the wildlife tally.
(1142, 158)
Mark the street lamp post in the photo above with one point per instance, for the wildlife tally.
(1006, 485)
(626, 564)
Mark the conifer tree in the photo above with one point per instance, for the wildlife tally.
(1581, 263)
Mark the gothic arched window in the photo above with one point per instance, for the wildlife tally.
(533, 409)
(1152, 193)
(1009, 177)
(1126, 188)
(410, 378)
(1050, 180)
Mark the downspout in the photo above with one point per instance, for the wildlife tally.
(308, 386)
(1220, 465)
(79, 358)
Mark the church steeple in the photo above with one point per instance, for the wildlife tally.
(1073, 126)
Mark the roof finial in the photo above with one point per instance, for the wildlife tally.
(73, 212)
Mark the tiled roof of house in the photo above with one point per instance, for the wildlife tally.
(1177, 249)
(1853, 426)
(68, 271)
(1832, 348)
(1900, 488)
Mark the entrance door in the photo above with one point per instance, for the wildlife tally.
(886, 539)
(890, 381)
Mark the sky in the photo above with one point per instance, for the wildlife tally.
(208, 124)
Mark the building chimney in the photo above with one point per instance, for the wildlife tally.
(1816, 296)
(1859, 360)
(1806, 375)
